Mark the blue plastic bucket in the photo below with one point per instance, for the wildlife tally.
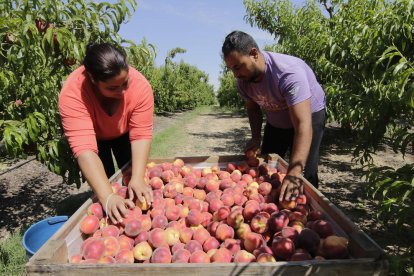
(40, 232)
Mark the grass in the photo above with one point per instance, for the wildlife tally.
(167, 141)
(12, 252)
(12, 255)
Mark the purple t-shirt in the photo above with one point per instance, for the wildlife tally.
(288, 80)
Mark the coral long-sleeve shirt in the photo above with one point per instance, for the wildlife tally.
(85, 121)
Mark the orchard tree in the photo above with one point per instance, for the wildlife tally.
(41, 43)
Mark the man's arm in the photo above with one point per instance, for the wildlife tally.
(301, 117)
(256, 120)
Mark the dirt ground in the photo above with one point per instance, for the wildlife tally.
(29, 192)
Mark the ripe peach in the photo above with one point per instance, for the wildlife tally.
(234, 245)
(185, 170)
(301, 255)
(262, 249)
(106, 260)
(201, 235)
(142, 236)
(223, 175)
(194, 217)
(297, 225)
(125, 242)
(96, 210)
(89, 224)
(190, 182)
(253, 241)
(335, 247)
(199, 194)
(314, 215)
(223, 212)
(179, 245)
(161, 255)
(212, 185)
(142, 251)
(277, 221)
(265, 258)
(288, 232)
(75, 259)
(143, 205)
(244, 256)
(186, 234)
(93, 248)
(184, 210)
(230, 167)
(283, 248)
(111, 246)
(172, 236)
(235, 219)
(242, 230)
(159, 221)
(210, 243)
(258, 223)
(122, 192)
(265, 188)
(236, 175)
(193, 246)
(250, 210)
(181, 256)
(323, 228)
(133, 227)
(178, 162)
(110, 230)
(269, 208)
(125, 256)
(172, 212)
(222, 255)
(195, 204)
(199, 256)
(215, 204)
(309, 240)
(157, 237)
(224, 232)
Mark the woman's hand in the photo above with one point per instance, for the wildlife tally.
(143, 191)
(116, 207)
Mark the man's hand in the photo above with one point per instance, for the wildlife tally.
(253, 145)
(292, 186)
(141, 189)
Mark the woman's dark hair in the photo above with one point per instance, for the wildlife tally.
(104, 61)
(238, 41)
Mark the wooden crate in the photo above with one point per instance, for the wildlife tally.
(367, 257)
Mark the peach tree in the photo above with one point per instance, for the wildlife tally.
(362, 52)
(41, 42)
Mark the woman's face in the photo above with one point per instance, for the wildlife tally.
(115, 87)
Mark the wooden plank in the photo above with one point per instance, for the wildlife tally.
(53, 252)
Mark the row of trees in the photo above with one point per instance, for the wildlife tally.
(42, 42)
(362, 52)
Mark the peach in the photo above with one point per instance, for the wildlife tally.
(262, 249)
(185, 171)
(116, 186)
(156, 211)
(201, 235)
(184, 210)
(133, 227)
(212, 185)
(89, 224)
(193, 246)
(289, 232)
(181, 256)
(265, 258)
(222, 255)
(226, 183)
(143, 205)
(258, 223)
(142, 251)
(89, 261)
(250, 210)
(301, 255)
(199, 194)
(172, 236)
(142, 236)
(125, 242)
(159, 221)
(224, 232)
(283, 248)
(215, 204)
(253, 241)
(235, 219)
(199, 256)
(277, 221)
(75, 259)
(230, 167)
(223, 175)
(234, 245)
(323, 228)
(242, 167)
(244, 256)
(227, 199)
(297, 225)
(335, 247)
(303, 208)
(190, 182)
(106, 260)
(172, 212)
(186, 234)
(211, 243)
(178, 162)
(223, 212)
(125, 256)
(161, 255)
(269, 208)
(157, 237)
(314, 215)
(122, 192)
(170, 190)
(195, 204)
(111, 246)
(242, 230)
(194, 217)
(309, 240)
(265, 188)
(156, 183)
(96, 210)
(93, 248)
(297, 216)
(110, 230)
(179, 245)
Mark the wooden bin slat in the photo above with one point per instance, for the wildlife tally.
(367, 257)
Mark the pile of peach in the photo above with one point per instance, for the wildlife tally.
(210, 215)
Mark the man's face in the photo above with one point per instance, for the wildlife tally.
(244, 67)
(115, 87)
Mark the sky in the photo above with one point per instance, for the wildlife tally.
(199, 26)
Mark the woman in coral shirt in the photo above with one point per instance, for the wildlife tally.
(107, 107)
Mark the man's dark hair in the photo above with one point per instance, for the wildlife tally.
(104, 61)
(238, 41)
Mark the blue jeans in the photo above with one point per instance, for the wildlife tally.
(280, 140)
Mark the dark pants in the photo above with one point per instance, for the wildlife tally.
(279, 141)
(121, 149)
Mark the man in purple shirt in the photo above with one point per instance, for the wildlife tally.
(286, 89)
